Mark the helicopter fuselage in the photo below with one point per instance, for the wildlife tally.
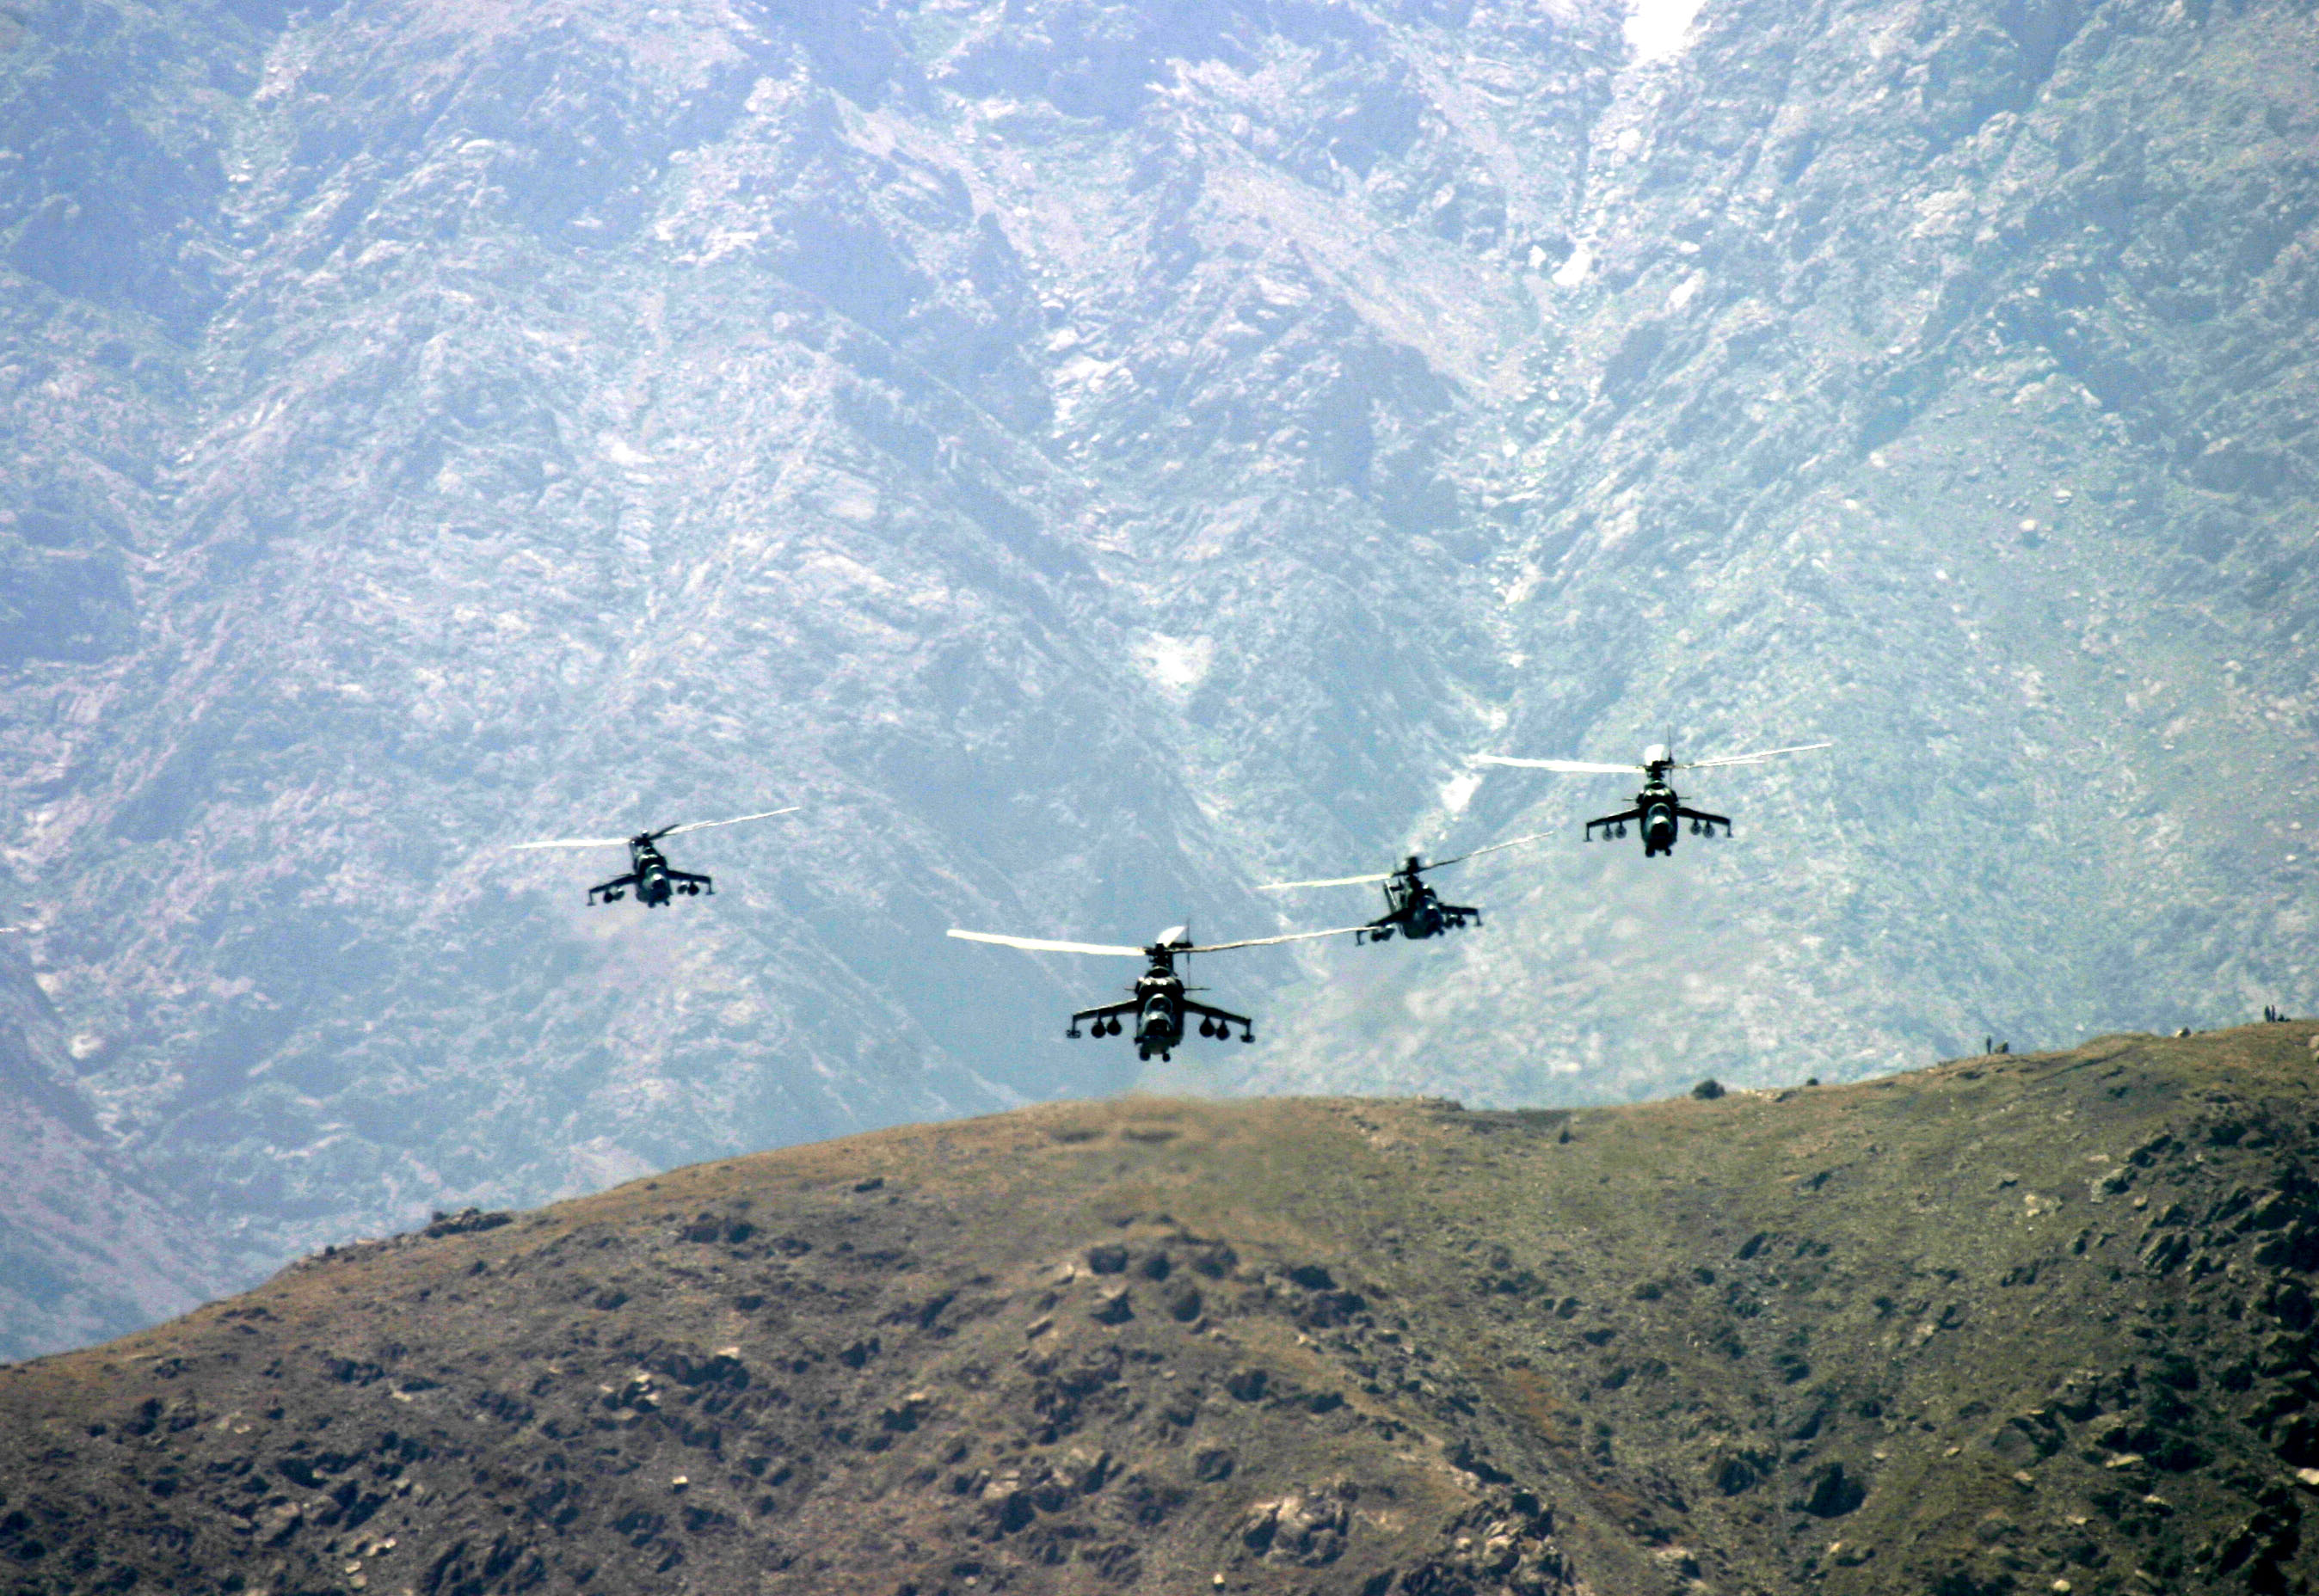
(1160, 1009)
(1658, 802)
(650, 868)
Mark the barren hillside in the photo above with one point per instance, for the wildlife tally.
(2011, 1322)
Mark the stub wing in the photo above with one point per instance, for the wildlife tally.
(1216, 1013)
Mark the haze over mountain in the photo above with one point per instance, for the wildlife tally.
(1097, 458)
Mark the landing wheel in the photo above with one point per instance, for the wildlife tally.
(1248, 1036)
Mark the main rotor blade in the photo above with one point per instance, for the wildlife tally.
(1031, 945)
(707, 825)
(1333, 881)
(1750, 759)
(1493, 848)
(1568, 767)
(572, 843)
(1266, 942)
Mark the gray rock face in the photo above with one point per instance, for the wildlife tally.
(1097, 457)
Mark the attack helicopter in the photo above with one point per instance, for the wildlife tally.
(1657, 808)
(654, 881)
(1158, 1002)
(1412, 907)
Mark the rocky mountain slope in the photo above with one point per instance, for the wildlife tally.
(83, 1249)
(2015, 1323)
(1097, 458)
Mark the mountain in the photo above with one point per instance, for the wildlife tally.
(1097, 459)
(2014, 1323)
